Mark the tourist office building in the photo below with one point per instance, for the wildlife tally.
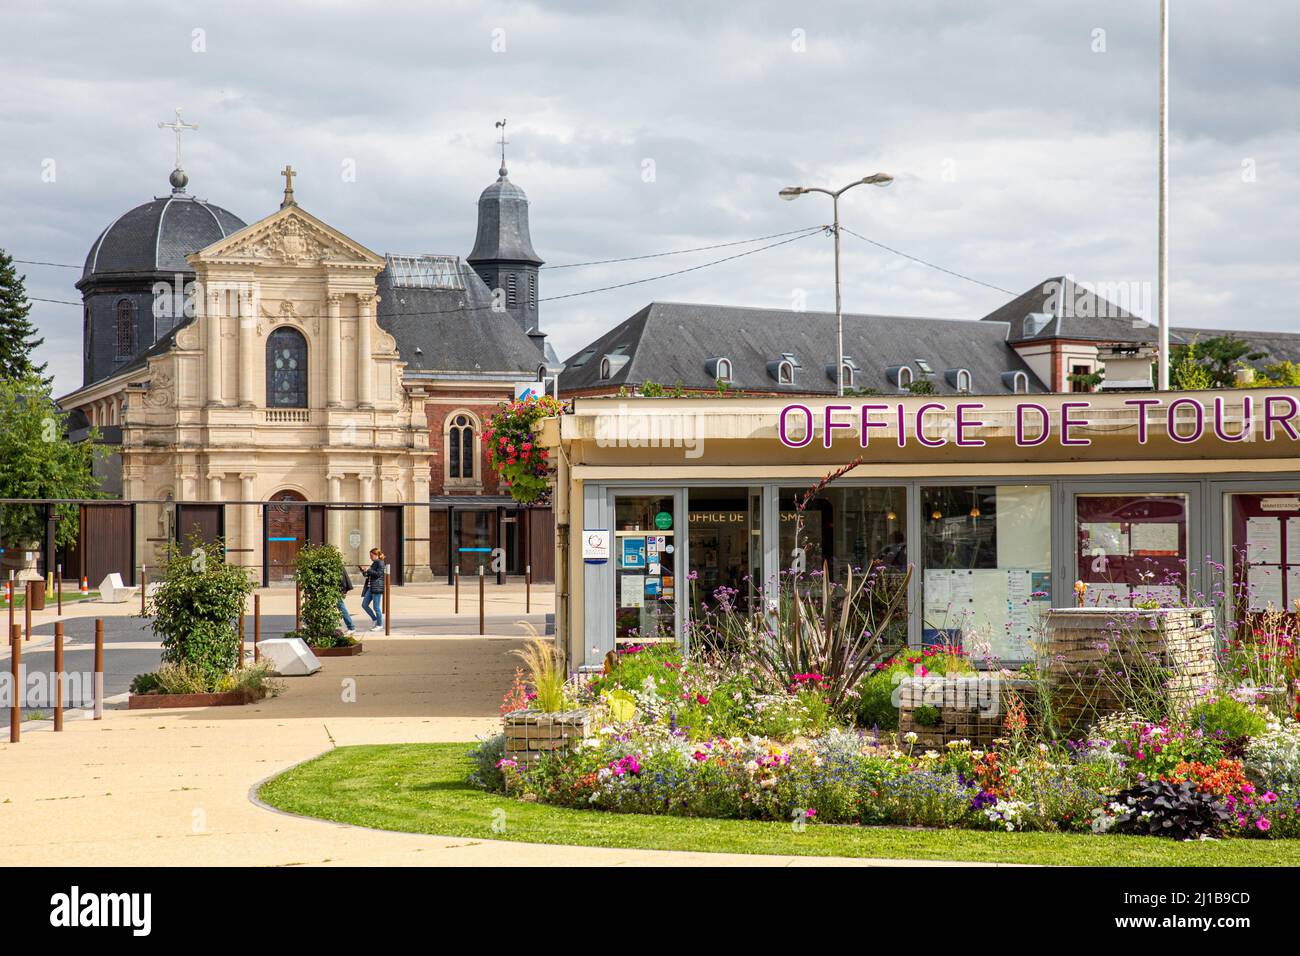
(998, 504)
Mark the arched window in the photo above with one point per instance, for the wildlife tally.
(904, 377)
(460, 448)
(125, 328)
(963, 380)
(286, 369)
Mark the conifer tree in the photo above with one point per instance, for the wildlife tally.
(17, 334)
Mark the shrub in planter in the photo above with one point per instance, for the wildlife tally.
(318, 569)
(196, 610)
(1177, 810)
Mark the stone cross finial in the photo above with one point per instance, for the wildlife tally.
(288, 174)
(178, 177)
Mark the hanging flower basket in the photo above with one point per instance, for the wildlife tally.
(510, 440)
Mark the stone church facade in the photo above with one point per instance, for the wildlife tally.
(310, 389)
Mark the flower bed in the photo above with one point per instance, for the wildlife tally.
(686, 737)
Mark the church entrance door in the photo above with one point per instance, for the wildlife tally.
(286, 532)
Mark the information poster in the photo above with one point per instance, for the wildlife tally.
(632, 590)
(1293, 587)
(1153, 537)
(1264, 585)
(1106, 537)
(634, 552)
(1293, 540)
(1264, 540)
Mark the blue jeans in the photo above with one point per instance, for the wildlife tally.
(347, 618)
(373, 605)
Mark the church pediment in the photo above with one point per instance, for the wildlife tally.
(289, 237)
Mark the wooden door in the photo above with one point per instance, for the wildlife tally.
(286, 532)
(107, 542)
(206, 521)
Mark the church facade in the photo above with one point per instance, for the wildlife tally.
(280, 383)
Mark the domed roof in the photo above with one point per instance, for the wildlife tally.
(158, 235)
(503, 225)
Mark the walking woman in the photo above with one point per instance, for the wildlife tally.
(372, 593)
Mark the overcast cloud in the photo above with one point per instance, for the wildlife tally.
(1020, 151)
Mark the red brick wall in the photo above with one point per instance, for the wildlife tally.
(483, 405)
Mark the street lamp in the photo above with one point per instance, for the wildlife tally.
(794, 192)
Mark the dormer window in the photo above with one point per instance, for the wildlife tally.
(900, 376)
(782, 370)
(719, 369)
(612, 364)
(847, 370)
(959, 379)
(1017, 382)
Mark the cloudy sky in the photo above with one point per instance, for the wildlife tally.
(1022, 135)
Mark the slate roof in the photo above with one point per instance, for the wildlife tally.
(671, 342)
(1060, 308)
(503, 225)
(1280, 346)
(157, 236)
(455, 330)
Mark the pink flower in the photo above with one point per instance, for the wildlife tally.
(702, 700)
(1263, 824)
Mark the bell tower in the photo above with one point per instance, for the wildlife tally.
(503, 254)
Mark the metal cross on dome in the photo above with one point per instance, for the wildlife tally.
(178, 127)
(501, 125)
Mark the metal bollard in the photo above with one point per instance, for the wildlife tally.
(58, 676)
(58, 589)
(144, 586)
(99, 668)
(297, 608)
(481, 628)
(257, 628)
(388, 600)
(27, 610)
(15, 666)
(456, 577)
(528, 588)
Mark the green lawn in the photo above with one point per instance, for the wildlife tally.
(420, 788)
(51, 601)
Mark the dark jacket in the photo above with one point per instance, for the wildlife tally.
(375, 577)
(346, 582)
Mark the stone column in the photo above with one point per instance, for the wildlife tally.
(334, 533)
(214, 486)
(365, 369)
(248, 527)
(369, 520)
(247, 322)
(212, 317)
(334, 348)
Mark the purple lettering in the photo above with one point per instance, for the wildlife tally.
(828, 435)
(1283, 420)
(1142, 405)
(1247, 419)
(1067, 423)
(963, 424)
(1045, 427)
(920, 425)
(1173, 421)
(807, 426)
(867, 423)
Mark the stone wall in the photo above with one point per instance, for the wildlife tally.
(532, 733)
(1096, 653)
(970, 707)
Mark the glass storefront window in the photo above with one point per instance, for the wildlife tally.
(726, 546)
(645, 586)
(846, 527)
(1132, 549)
(1264, 542)
(864, 529)
(986, 566)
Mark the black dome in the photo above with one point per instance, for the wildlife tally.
(157, 236)
(503, 225)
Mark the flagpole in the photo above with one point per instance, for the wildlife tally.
(1162, 253)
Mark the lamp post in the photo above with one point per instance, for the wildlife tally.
(794, 192)
(1162, 213)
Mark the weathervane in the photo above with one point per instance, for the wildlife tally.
(501, 125)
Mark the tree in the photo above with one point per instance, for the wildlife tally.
(1279, 375)
(38, 461)
(1219, 355)
(17, 334)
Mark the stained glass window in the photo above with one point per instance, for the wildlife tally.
(460, 448)
(286, 369)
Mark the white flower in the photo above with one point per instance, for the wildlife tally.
(911, 737)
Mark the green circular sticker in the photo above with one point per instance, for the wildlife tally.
(663, 521)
